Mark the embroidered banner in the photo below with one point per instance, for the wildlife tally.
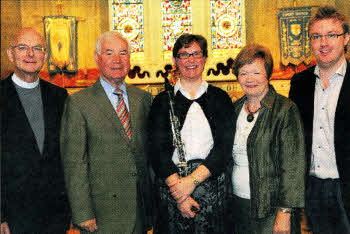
(61, 40)
(293, 33)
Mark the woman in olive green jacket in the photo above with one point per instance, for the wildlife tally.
(268, 153)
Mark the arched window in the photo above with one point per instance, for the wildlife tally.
(127, 18)
(176, 20)
(226, 24)
(152, 27)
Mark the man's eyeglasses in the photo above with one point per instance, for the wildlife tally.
(329, 36)
(185, 55)
(26, 48)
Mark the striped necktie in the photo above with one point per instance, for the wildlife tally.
(123, 112)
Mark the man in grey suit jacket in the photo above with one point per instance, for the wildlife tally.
(105, 168)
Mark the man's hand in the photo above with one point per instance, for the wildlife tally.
(5, 228)
(282, 223)
(182, 189)
(185, 207)
(89, 225)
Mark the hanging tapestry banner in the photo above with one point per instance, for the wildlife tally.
(61, 40)
(293, 33)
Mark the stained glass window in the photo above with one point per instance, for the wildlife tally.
(127, 17)
(226, 24)
(176, 20)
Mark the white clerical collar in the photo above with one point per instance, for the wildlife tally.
(24, 84)
(202, 89)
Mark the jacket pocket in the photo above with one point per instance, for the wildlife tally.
(105, 206)
(267, 196)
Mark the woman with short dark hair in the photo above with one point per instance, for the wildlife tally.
(193, 201)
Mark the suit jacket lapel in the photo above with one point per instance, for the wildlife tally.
(312, 95)
(46, 112)
(12, 93)
(308, 109)
(343, 101)
(103, 104)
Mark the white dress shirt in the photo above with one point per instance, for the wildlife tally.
(323, 163)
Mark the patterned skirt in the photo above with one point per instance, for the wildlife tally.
(211, 197)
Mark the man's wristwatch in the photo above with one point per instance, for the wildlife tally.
(286, 210)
